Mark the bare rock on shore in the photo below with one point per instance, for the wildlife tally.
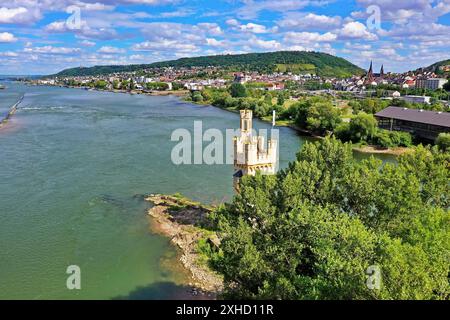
(184, 222)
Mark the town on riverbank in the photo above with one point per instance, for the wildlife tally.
(358, 106)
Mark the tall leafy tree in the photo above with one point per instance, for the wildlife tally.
(315, 229)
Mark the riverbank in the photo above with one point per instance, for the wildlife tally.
(368, 149)
(376, 150)
(186, 223)
(178, 93)
(11, 112)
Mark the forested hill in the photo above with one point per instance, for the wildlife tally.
(295, 61)
(439, 67)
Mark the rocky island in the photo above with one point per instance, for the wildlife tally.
(187, 224)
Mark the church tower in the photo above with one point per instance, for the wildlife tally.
(370, 77)
(382, 72)
(251, 153)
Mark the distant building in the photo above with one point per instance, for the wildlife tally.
(250, 152)
(436, 83)
(430, 83)
(420, 123)
(242, 78)
(417, 99)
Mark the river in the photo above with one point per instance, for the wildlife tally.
(74, 167)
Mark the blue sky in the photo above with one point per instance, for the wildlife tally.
(46, 36)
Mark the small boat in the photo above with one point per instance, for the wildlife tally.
(2, 87)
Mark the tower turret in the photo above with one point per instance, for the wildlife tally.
(246, 120)
(250, 152)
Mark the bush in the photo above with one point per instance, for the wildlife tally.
(322, 117)
(363, 127)
(383, 139)
(197, 97)
(391, 139)
(443, 141)
(237, 90)
(342, 131)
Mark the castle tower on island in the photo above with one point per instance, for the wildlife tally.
(250, 152)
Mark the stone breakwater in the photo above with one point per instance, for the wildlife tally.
(11, 112)
(185, 223)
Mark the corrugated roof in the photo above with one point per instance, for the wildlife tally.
(415, 115)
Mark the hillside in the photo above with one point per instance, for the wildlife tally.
(441, 67)
(296, 61)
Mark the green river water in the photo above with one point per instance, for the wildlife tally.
(75, 165)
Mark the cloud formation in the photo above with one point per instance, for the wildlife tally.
(47, 35)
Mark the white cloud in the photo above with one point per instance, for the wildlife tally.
(6, 37)
(84, 30)
(302, 21)
(87, 43)
(254, 28)
(53, 50)
(232, 22)
(10, 54)
(257, 43)
(356, 30)
(214, 42)
(19, 15)
(252, 8)
(165, 45)
(308, 37)
(110, 50)
(406, 11)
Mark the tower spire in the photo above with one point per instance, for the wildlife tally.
(370, 77)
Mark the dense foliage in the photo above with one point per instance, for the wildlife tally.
(364, 128)
(314, 230)
(237, 90)
(443, 141)
(320, 63)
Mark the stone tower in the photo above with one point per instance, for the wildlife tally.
(250, 152)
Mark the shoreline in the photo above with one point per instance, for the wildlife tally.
(185, 223)
(376, 150)
(178, 93)
(11, 112)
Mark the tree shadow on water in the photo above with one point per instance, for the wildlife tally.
(164, 290)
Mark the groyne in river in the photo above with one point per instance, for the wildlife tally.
(11, 112)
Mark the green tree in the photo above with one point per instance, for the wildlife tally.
(362, 127)
(311, 231)
(280, 99)
(447, 86)
(323, 117)
(238, 90)
(101, 84)
(443, 141)
(197, 96)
